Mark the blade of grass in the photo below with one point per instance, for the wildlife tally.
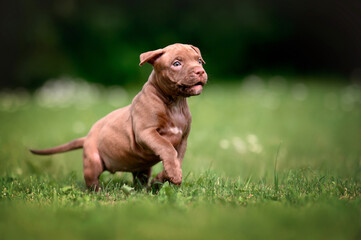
(275, 174)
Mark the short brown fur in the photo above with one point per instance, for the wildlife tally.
(153, 128)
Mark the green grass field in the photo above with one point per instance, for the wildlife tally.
(266, 159)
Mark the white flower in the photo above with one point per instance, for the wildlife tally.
(224, 144)
(239, 145)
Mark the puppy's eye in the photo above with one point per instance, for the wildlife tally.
(200, 61)
(177, 63)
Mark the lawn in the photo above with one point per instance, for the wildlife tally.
(267, 158)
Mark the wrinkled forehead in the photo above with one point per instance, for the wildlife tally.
(180, 51)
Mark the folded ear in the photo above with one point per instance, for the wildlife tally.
(199, 52)
(150, 56)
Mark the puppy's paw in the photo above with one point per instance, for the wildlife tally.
(176, 177)
(176, 181)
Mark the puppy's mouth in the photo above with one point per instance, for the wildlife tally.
(192, 90)
(197, 88)
(199, 83)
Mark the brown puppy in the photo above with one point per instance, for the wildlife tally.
(153, 128)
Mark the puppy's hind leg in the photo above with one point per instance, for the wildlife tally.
(141, 178)
(157, 182)
(92, 167)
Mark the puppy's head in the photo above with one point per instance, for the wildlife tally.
(179, 68)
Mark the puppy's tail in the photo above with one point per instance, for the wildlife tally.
(75, 144)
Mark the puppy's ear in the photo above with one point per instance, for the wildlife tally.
(199, 52)
(150, 56)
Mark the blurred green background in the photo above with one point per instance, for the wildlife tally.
(100, 41)
(274, 151)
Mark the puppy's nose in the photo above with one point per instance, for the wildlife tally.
(199, 71)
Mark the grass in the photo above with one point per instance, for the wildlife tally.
(266, 159)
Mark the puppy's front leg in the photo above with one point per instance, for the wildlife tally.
(151, 139)
(181, 149)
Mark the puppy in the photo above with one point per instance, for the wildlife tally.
(153, 128)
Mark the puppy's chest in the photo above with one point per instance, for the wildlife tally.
(175, 126)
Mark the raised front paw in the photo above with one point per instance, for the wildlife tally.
(175, 176)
